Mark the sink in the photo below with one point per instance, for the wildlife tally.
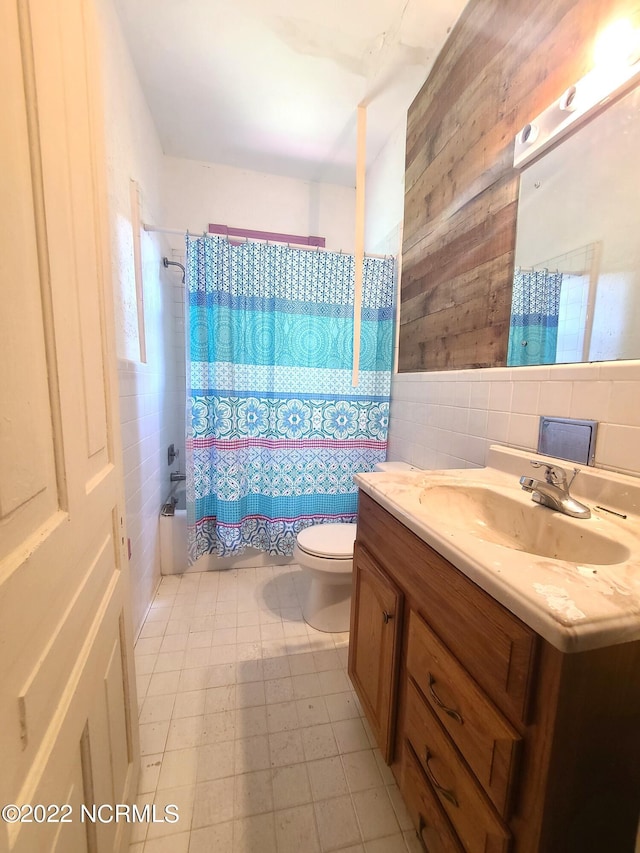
(506, 520)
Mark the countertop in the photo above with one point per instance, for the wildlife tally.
(575, 606)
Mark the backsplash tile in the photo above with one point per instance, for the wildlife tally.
(449, 419)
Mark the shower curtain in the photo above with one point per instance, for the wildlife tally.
(275, 430)
(535, 305)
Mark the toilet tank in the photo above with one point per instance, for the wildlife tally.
(395, 466)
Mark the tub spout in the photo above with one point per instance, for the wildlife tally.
(177, 476)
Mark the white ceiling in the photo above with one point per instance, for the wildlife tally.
(274, 85)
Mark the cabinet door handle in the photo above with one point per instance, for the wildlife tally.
(422, 825)
(445, 792)
(386, 616)
(450, 711)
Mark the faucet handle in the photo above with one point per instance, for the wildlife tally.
(554, 474)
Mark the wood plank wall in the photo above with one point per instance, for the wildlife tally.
(503, 63)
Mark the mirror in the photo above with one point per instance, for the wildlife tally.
(576, 289)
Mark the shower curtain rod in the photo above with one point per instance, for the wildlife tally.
(159, 230)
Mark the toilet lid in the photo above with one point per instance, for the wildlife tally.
(328, 540)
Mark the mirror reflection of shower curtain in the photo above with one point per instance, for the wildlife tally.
(533, 332)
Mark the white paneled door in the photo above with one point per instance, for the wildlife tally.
(67, 706)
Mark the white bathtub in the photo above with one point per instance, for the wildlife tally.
(173, 536)
(173, 546)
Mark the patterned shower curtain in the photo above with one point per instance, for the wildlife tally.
(535, 305)
(275, 430)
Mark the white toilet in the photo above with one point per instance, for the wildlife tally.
(325, 553)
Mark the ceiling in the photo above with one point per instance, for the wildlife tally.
(274, 85)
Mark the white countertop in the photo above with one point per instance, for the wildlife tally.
(574, 606)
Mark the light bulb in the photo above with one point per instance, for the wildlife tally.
(616, 45)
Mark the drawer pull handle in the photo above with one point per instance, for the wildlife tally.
(387, 616)
(422, 825)
(456, 716)
(445, 792)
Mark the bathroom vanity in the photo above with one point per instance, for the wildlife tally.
(502, 686)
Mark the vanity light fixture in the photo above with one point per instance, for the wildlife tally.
(616, 69)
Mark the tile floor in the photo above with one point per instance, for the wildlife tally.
(249, 725)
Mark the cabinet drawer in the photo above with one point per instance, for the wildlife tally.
(495, 647)
(433, 827)
(484, 737)
(475, 821)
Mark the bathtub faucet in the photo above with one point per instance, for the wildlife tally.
(177, 476)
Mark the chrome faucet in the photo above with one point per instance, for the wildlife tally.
(553, 491)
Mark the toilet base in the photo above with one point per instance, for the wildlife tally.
(328, 605)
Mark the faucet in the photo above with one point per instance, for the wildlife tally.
(553, 491)
(177, 477)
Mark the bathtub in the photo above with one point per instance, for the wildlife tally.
(173, 545)
(173, 534)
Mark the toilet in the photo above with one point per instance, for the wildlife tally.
(325, 554)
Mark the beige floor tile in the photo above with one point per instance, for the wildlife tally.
(189, 704)
(182, 799)
(169, 661)
(249, 670)
(218, 727)
(306, 685)
(153, 737)
(276, 667)
(337, 824)
(312, 711)
(216, 761)
(342, 706)
(350, 735)
(296, 830)
(375, 813)
(163, 682)
(402, 815)
(302, 664)
(278, 690)
(251, 721)
(178, 843)
(389, 844)
(327, 778)
(254, 835)
(212, 839)
(213, 803)
(291, 786)
(193, 679)
(222, 675)
(249, 694)
(184, 733)
(220, 699)
(282, 717)
(156, 708)
(178, 768)
(149, 772)
(253, 793)
(361, 770)
(252, 753)
(285, 748)
(319, 742)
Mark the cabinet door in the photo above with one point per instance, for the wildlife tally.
(376, 620)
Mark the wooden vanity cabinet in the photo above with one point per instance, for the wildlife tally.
(499, 742)
(376, 622)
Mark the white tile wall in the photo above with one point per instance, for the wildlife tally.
(151, 402)
(449, 419)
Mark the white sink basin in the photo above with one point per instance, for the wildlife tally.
(576, 581)
(507, 520)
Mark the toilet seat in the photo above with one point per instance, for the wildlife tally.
(331, 541)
